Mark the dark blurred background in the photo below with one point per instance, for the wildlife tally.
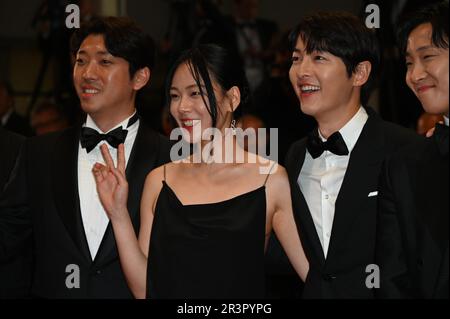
(37, 97)
(35, 63)
(34, 56)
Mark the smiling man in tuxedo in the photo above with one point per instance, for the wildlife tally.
(412, 238)
(53, 196)
(334, 171)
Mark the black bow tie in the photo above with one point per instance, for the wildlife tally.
(441, 138)
(335, 144)
(90, 138)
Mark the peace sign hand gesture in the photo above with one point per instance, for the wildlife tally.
(112, 185)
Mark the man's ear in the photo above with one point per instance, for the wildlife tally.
(234, 95)
(141, 78)
(362, 73)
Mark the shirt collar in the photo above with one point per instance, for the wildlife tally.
(351, 131)
(91, 124)
(446, 120)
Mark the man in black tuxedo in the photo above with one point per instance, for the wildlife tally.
(334, 171)
(15, 272)
(53, 191)
(412, 237)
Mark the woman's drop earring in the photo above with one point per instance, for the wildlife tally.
(233, 127)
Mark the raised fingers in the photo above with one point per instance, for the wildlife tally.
(119, 176)
(107, 156)
(121, 158)
(97, 171)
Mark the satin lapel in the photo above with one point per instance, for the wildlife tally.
(303, 213)
(360, 179)
(142, 160)
(65, 187)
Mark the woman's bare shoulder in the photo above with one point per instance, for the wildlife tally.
(276, 175)
(161, 173)
(269, 167)
(156, 175)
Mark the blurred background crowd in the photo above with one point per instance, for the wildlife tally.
(37, 95)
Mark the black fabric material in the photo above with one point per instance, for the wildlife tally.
(208, 251)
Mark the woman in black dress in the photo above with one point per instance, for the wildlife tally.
(204, 224)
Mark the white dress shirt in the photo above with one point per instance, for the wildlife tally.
(320, 179)
(95, 220)
(446, 120)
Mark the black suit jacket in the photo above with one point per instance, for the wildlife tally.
(15, 272)
(412, 237)
(44, 196)
(352, 244)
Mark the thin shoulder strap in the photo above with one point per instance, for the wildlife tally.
(270, 171)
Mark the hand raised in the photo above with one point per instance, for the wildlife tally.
(112, 186)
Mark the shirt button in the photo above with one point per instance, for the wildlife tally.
(326, 196)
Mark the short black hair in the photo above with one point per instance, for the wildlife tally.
(210, 62)
(344, 35)
(123, 38)
(436, 14)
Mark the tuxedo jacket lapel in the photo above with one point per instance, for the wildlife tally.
(143, 156)
(302, 212)
(65, 188)
(360, 179)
